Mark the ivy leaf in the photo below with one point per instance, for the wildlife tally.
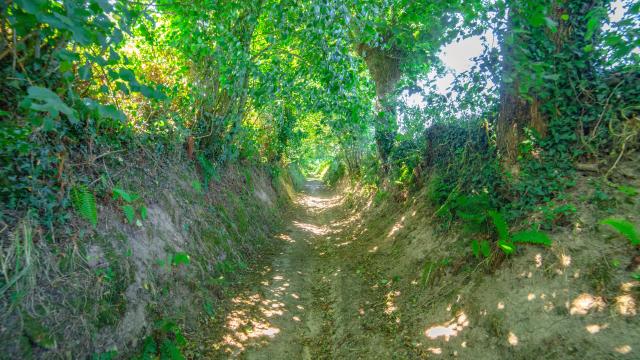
(85, 72)
(111, 112)
(34, 7)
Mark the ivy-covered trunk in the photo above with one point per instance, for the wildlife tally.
(548, 65)
(517, 110)
(384, 67)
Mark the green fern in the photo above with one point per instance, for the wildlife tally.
(506, 241)
(625, 228)
(84, 202)
(480, 247)
(124, 195)
(143, 212)
(501, 225)
(129, 213)
(531, 237)
(475, 248)
(507, 246)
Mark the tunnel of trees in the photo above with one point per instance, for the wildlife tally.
(266, 81)
(322, 85)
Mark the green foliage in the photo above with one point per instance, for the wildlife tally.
(553, 214)
(334, 172)
(38, 333)
(628, 190)
(297, 178)
(506, 241)
(84, 203)
(209, 309)
(500, 225)
(130, 201)
(129, 213)
(481, 247)
(209, 170)
(48, 102)
(170, 339)
(531, 237)
(380, 196)
(109, 355)
(124, 195)
(180, 258)
(175, 259)
(625, 228)
(197, 186)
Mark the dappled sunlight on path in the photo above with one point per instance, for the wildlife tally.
(273, 321)
(333, 290)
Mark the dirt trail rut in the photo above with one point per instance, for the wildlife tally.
(308, 303)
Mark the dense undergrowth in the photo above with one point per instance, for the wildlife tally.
(99, 96)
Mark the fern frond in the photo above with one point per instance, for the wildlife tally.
(475, 248)
(129, 213)
(143, 212)
(624, 227)
(485, 249)
(124, 195)
(531, 237)
(501, 225)
(84, 202)
(507, 246)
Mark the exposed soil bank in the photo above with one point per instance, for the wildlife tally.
(105, 292)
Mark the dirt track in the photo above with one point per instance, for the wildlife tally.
(309, 303)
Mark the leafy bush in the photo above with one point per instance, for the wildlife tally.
(334, 172)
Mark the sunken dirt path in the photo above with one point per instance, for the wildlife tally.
(310, 302)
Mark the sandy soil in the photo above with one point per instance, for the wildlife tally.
(347, 283)
(307, 303)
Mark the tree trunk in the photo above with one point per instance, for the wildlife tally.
(384, 67)
(561, 49)
(516, 112)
